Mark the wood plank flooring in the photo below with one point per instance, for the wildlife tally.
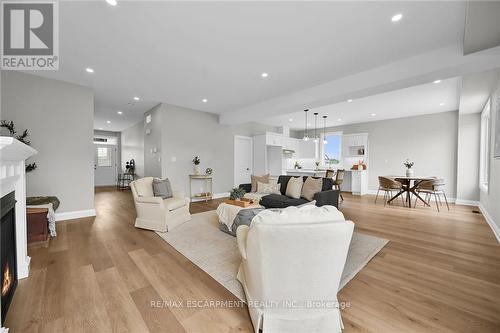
(439, 273)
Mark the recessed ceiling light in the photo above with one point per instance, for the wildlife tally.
(441, 104)
(89, 70)
(136, 98)
(111, 2)
(349, 101)
(204, 100)
(373, 114)
(339, 119)
(397, 17)
(119, 112)
(264, 75)
(290, 120)
(437, 81)
(108, 121)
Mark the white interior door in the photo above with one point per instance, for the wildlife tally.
(242, 159)
(105, 165)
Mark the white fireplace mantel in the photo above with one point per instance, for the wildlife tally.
(13, 154)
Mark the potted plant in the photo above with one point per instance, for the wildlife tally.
(196, 165)
(408, 165)
(237, 194)
(317, 165)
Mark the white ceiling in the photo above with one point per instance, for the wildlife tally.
(182, 52)
(413, 101)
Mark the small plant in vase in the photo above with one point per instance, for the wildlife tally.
(196, 165)
(237, 194)
(317, 165)
(408, 165)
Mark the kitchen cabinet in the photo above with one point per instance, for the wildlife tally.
(274, 139)
(359, 182)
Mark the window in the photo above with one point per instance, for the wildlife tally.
(484, 162)
(104, 156)
(332, 149)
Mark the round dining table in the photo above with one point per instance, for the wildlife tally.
(409, 188)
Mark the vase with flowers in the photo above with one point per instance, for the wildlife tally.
(196, 165)
(408, 164)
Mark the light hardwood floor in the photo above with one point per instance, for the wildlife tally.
(439, 273)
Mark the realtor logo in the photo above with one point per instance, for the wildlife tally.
(30, 35)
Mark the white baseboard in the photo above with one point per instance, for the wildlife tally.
(215, 196)
(494, 227)
(78, 214)
(466, 202)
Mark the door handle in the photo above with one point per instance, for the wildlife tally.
(248, 169)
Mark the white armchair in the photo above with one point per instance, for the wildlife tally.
(156, 213)
(289, 259)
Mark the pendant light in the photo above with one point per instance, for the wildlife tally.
(306, 134)
(324, 130)
(315, 126)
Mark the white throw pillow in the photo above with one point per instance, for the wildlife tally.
(268, 188)
(294, 187)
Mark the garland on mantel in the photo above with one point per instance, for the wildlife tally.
(9, 125)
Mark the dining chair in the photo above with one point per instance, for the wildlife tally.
(339, 179)
(329, 173)
(432, 187)
(388, 185)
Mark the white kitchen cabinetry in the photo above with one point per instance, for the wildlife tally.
(273, 139)
(268, 154)
(359, 182)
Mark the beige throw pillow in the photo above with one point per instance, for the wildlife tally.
(255, 179)
(311, 187)
(294, 187)
(264, 188)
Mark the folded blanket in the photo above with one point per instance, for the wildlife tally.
(244, 217)
(51, 217)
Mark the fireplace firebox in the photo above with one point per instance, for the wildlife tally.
(8, 260)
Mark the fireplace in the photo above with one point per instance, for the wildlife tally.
(8, 262)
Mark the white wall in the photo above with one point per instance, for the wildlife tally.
(187, 133)
(469, 128)
(152, 142)
(490, 201)
(59, 117)
(132, 147)
(429, 140)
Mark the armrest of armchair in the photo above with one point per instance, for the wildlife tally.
(149, 202)
(152, 200)
(241, 238)
(246, 187)
(329, 197)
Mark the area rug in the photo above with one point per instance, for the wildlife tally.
(216, 252)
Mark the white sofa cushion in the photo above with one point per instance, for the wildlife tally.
(174, 203)
(294, 187)
(144, 187)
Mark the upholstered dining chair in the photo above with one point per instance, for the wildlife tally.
(329, 173)
(433, 187)
(337, 183)
(388, 185)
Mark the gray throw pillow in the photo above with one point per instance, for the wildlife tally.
(162, 188)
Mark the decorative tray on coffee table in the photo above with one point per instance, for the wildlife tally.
(243, 202)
